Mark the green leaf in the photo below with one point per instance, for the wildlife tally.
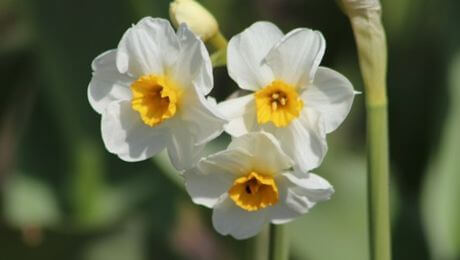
(441, 207)
(127, 243)
(29, 202)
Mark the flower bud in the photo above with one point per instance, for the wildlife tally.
(357, 6)
(198, 19)
(365, 17)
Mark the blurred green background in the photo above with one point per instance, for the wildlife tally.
(62, 196)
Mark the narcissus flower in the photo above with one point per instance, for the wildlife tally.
(151, 94)
(292, 97)
(252, 183)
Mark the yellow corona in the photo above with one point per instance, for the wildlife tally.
(156, 98)
(278, 103)
(254, 191)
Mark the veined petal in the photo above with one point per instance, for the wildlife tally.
(267, 155)
(182, 149)
(331, 95)
(241, 113)
(304, 142)
(232, 162)
(202, 116)
(193, 65)
(148, 47)
(296, 57)
(246, 51)
(107, 84)
(126, 135)
(214, 175)
(205, 188)
(291, 204)
(229, 219)
(242, 125)
(235, 107)
(312, 186)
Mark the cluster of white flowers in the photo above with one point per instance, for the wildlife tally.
(151, 92)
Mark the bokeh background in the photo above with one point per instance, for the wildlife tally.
(63, 196)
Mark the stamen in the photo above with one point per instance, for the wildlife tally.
(278, 103)
(274, 105)
(283, 101)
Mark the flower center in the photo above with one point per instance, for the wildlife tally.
(278, 103)
(254, 191)
(155, 98)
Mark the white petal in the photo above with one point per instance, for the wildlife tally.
(229, 219)
(232, 162)
(236, 107)
(299, 192)
(202, 116)
(267, 155)
(126, 135)
(182, 149)
(205, 188)
(304, 142)
(331, 95)
(193, 65)
(296, 58)
(214, 175)
(290, 204)
(242, 125)
(312, 186)
(246, 51)
(107, 84)
(241, 113)
(148, 47)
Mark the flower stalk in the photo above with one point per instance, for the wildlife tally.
(365, 17)
(219, 42)
(378, 183)
(279, 242)
(260, 245)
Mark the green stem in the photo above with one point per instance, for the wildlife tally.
(279, 242)
(260, 245)
(219, 57)
(161, 160)
(378, 182)
(372, 49)
(218, 41)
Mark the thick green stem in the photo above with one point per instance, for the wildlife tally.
(161, 160)
(218, 41)
(219, 57)
(378, 182)
(260, 245)
(372, 50)
(279, 242)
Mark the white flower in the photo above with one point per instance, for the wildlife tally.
(151, 94)
(197, 18)
(252, 183)
(294, 99)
